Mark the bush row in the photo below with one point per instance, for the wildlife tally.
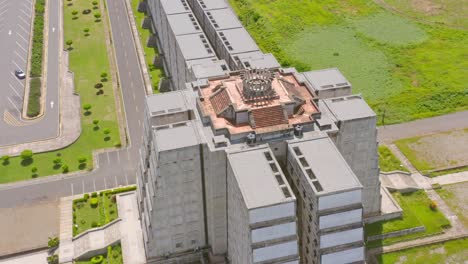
(38, 39)
(34, 105)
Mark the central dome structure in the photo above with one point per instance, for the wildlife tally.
(257, 85)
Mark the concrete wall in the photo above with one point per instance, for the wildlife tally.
(341, 238)
(272, 213)
(345, 256)
(275, 251)
(340, 199)
(357, 142)
(340, 219)
(273, 232)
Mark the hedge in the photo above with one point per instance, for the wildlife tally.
(34, 100)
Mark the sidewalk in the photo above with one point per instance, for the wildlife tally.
(66, 249)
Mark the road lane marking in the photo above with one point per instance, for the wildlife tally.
(52, 104)
(133, 95)
(139, 123)
(13, 88)
(19, 56)
(126, 179)
(136, 108)
(21, 47)
(14, 105)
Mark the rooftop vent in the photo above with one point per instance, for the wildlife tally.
(257, 84)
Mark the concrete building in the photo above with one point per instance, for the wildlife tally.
(247, 162)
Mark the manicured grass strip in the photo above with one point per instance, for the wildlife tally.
(455, 251)
(34, 100)
(155, 73)
(416, 212)
(417, 160)
(38, 39)
(388, 161)
(88, 60)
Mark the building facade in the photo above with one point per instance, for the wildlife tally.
(247, 162)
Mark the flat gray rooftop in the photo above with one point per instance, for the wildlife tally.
(326, 163)
(326, 79)
(182, 24)
(349, 107)
(223, 19)
(167, 102)
(239, 40)
(193, 47)
(212, 4)
(256, 179)
(259, 60)
(208, 68)
(177, 136)
(175, 6)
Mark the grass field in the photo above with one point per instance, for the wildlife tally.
(456, 197)
(405, 69)
(88, 59)
(388, 161)
(416, 212)
(150, 53)
(437, 151)
(85, 216)
(451, 252)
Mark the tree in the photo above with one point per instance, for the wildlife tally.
(26, 154)
(95, 122)
(97, 16)
(57, 161)
(87, 107)
(65, 168)
(5, 159)
(74, 12)
(69, 43)
(86, 31)
(107, 131)
(104, 75)
(82, 160)
(34, 169)
(95, 3)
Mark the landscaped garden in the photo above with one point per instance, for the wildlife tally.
(388, 161)
(85, 31)
(113, 256)
(96, 209)
(405, 68)
(155, 73)
(455, 251)
(417, 212)
(445, 151)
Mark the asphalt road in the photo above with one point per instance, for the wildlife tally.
(115, 168)
(14, 34)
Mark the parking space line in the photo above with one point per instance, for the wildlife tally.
(21, 47)
(105, 183)
(25, 21)
(115, 177)
(17, 54)
(17, 33)
(26, 14)
(71, 185)
(118, 156)
(108, 159)
(126, 178)
(128, 154)
(14, 105)
(3, 12)
(82, 185)
(22, 85)
(27, 7)
(94, 184)
(26, 31)
(16, 92)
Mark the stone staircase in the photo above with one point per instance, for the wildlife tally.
(96, 239)
(269, 116)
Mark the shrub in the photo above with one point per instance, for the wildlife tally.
(104, 75)
(94, 224)
(86, 196)
(94, 194)
(34, 169)
(97, 16)
(26, 154)
(37, 40)
(98, 85)
(87, 107)
(114, 199)
(86, 31)
(82, 159)
(53, 242)
(54, 259)
(57, 161)
(65, 168)
(94, 202)
(97, 259)
(106, 131)
(86, 11)
(5, 159)
(69, 43)
(433, 206)
(95, 122)
(34, 102)
(117, 144)
(100, 91)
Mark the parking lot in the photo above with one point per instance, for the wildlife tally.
(15, 30)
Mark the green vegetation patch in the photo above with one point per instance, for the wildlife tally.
(155, 73)
(387, 28)
(388, 161)
(88, 60)
(455, 251)
(456, 197)
(113, 256)
(34, 100)
(416, 212)
(37, 39)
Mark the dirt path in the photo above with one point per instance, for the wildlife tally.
(388, 134)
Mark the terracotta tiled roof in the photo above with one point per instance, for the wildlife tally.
(269, 116)
(220, 100)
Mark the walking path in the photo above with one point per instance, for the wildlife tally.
(66, 249)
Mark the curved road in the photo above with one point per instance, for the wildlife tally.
(14, 45)
(114, 168)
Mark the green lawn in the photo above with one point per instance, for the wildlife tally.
(416, 212)
(88, 59)
(113, 256)
(150, 53)
(455, 251)
(456, 197)
(403, 68)
(388, 161)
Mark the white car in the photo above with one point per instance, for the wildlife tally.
(20, 74)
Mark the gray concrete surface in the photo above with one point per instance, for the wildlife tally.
(133, 250)
(28, 226)
(36, 258)
(388, 134)
(17, 27)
